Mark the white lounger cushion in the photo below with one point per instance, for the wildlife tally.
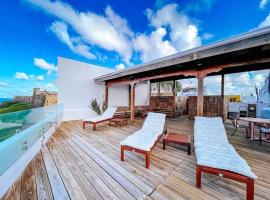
(145, 138)
(108, 114)
(213, 149)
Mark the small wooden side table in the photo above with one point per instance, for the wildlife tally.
(176, 138)
(119, 121)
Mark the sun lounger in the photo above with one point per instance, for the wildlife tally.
(215, 155)
(144, 140)
(106, 116)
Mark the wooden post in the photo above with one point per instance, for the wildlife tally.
(200, 97)
(106, 93)
(174, 99)
(129, 95)
(223, 114)
(132, 103)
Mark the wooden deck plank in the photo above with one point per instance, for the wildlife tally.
(72, 187)
(57, 185)
(44, 191)
(28, 185)
(106, 178)
(108, 165)
(135, 168)
(87, 188)
(80, 163)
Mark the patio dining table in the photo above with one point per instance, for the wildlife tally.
(251, 121)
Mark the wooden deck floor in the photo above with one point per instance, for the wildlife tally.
(81, 164)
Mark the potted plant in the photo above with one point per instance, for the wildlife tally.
(95, 106)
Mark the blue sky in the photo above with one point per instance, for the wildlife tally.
(115, 34)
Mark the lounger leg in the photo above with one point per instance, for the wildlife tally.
(94, 127)
(122, 153)
(198, 176)
(83, 125)
(147, 160)
(250, 189)
(164, 144)
(189, 149)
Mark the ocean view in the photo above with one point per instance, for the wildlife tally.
(4, 99)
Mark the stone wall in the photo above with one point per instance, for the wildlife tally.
(23, 99)
(39, 98)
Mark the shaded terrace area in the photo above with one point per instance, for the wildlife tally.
(82, 164)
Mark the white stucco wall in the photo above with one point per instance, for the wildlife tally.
(76, 87)
(142, 94)
(118, 95)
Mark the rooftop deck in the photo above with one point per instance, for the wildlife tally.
(82, 164)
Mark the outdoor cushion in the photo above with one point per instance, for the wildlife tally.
(264, 130)
(146, 137)
(108, 114)
(213, 149)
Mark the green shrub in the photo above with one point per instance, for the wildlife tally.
(6, 104)
(15, 107)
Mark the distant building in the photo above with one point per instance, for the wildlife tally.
(39, 98)
(264, 93)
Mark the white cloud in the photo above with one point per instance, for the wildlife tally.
(43, 64)
(244, 83)
(265, 22)
(60, 29)
(120, 66)
(235, 84)
(168, 22)
(109, 32)
(3, 84)
(182, 32)
(24, 76)
(153, 46)
(40, 78)
(263, 4)
(207, 36)
(21, 76)
(50, 86)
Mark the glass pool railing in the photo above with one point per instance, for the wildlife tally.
(19, 131)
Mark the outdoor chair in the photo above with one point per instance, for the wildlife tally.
(264, 131)
(144, 140)
(215, 155)
(235, 119)
(106, 116)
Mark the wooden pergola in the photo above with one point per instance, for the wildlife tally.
(242, 53)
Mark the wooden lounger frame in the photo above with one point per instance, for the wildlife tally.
(147, 153)
(226, 174)
(94, 123)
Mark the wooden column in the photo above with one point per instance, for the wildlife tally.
(200, 97)
(106, 94)
(132, 102)
(129, 95)
(174, 95)
(223, 114)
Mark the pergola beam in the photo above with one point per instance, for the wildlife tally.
(194, 73)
